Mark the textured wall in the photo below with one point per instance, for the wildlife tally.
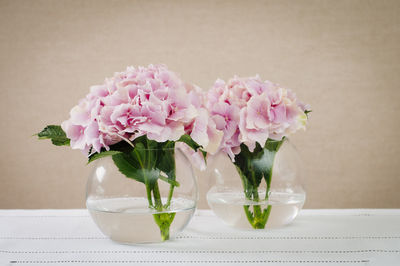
(342, 57)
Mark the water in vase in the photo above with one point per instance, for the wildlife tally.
(229, 206)
(130, 220)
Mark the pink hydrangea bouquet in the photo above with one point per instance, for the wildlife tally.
(255, 117)
(135, 117)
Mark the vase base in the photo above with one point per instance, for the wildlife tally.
(130, 221)
(230, 207)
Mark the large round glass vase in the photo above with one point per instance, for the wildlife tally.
(151, 203)
(261, 189)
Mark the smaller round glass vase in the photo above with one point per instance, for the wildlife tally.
(260, 189)
(147, 197)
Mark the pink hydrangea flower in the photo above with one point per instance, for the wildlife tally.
(203, 129)
(249, 111)
(150, 101)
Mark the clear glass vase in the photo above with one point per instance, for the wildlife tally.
(261, 189)
(149, 206)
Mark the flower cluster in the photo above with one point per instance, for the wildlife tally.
(249, 110)
(150, 101)
(155, 102)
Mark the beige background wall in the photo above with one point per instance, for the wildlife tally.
(343, 57)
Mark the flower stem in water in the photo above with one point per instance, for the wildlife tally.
(253, 167)
(163, 220)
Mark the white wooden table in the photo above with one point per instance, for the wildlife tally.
(317, 237)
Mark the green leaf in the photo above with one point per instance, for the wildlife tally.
(169, 180)
(273, 145)
(256, 165)
(192, 144)
(56, 134)
(189, 141)
(166, 164)
(138, 155)
(141, 139)
(120, 147)
(166, 159)
(147, 162)
(102, 155)
(128, 167)
(152, 153)
(246, 161)
(60, 142)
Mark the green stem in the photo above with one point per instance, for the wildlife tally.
(148, 192)
(157, 197)
(147, 163)
(146, 180)
(266, 212)
(171, 187)
(171, 191)
(268, 178)
(251, 193)
(259, 216)
(248, 213)
(163, 220)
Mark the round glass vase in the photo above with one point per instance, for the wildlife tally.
(150, 204)
(261, 189)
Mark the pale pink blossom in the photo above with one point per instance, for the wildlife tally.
(203, 129)
(205, 132)
(250, 136)
(196, 158)
(259, 112)
(151, 101)
(250, 111)
(226, 119)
